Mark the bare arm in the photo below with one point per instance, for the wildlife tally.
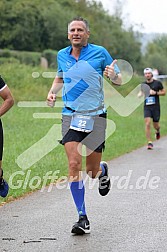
(56, 86)
(140, 94)
(161, 92)
(8, 100)
(153, 92)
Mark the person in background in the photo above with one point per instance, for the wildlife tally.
(151, 89)
(7, 103)
(81, 67)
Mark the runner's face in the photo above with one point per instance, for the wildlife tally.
(78, 34)
(148, 76)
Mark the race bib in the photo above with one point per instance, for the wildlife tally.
(150, 100)
(82, 123)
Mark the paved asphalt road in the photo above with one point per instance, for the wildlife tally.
(131, 218)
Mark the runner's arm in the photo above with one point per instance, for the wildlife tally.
(8, 100)
(56, 86)
(161, 92)
(140, 94)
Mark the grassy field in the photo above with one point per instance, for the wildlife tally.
(22, 131)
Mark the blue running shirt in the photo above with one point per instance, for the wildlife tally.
(83, 78)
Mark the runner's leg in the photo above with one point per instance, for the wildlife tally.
(148, 128)
(75, 177)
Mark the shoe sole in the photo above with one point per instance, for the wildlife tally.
(80, 231)
(149, 148)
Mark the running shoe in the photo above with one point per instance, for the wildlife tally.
(82, 226)
(150, 145)
(104, 181)
(4, 188)
(157, 135)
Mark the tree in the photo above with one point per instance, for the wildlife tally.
(42, 24)
(156, 52)
(22, 26)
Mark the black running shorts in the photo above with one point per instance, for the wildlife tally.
(152, 112)
(94, 140)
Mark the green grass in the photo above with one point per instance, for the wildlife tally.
(21, 131)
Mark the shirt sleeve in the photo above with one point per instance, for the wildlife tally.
(2, 84)
(59, 69)
(160, 86)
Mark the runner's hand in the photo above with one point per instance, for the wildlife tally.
(109, 70)
(152, 92)
(51, 98)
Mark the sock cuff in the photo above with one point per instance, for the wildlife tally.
(77, 184)
(103, 171)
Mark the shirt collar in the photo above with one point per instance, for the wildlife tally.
(84, 49)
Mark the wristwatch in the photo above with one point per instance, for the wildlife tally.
(115, 78)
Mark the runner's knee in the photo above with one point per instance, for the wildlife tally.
(74, 166)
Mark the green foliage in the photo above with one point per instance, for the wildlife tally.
(10, 60)
(21, 25)
(156, 54)
(20, 79)
(6, 53)
(56, 24)
(51, 56)
(28, 58)
(39, 25)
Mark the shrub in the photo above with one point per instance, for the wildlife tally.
(5, 53)
(50, 55)
(12, 60)
(27, 58)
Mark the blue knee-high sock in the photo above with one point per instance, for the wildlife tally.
(78, 192)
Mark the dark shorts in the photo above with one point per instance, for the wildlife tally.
(1, 140)
(94, 140)
(152, 112)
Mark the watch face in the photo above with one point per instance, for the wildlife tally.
(116, 76)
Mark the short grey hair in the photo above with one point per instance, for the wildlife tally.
(80, 19)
